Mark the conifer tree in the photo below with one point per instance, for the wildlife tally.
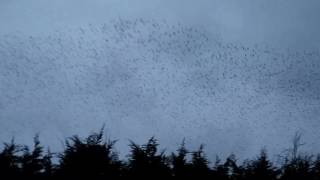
(145, 161)
(261, 168)
(90, 157)
(9, 160)
(180, 166)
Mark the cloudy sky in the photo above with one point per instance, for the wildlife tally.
(235, 75)
(291, 23)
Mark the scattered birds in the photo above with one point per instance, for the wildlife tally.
(142, 66)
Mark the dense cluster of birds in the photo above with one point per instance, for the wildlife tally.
(142, 68)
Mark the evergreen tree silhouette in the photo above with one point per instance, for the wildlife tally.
(180, 166)
(91, 157)
(220, 171)
(32, 161)
(316, 169)
(9, 167)
(95, 158)
(146, 162)
(233, 171)
(199, 164)
(261, 168)
(48, 166)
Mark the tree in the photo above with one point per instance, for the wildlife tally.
(261, 168)
(199, 163)
(180, 166)
(90, 157)
(32, 161)
(145, 161)
(296, 165)
(219, 170)
(316, 169)
(298, 168)
(47, 164)
(9, 160)
(296, 144)
(232, 169)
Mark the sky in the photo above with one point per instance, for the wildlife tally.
(290, 23)
(234, 75)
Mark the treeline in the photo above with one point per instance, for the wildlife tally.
(94, 157)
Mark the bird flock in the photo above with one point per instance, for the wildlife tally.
(146, 77)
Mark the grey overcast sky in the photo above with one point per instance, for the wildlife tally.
(236, 75)
(293, 23)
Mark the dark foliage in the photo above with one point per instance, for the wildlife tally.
(199, 164)
(146, 161)
(180, 166)
(91, 157)
(9, 160)
(261, 168)
(95, 158)
(32, 161)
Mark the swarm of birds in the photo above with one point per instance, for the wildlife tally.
(138, 68)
